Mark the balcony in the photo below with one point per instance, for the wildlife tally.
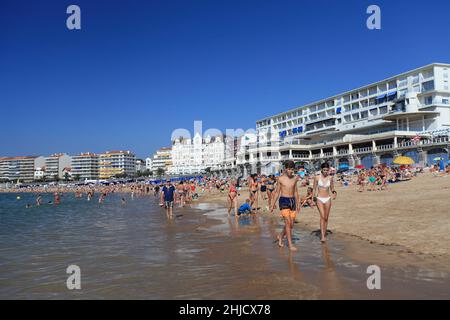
(363, 150)
(385, 147)
(270, 158)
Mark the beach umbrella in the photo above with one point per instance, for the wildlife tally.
(438, 159)
(343, 166)
(360, 166)
(448, 161)
(403, 160)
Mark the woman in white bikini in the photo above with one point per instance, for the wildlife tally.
(323, 184)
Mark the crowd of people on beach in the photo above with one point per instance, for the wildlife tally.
(265, 192)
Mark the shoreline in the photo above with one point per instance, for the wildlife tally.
(401, 217)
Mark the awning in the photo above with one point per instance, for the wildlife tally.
(381, 97)
(390, 94)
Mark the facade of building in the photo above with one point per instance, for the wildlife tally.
(20, 168)
(148, 164)
(194, 156)
(140, 165)
(407, 114)
(85, 166)
(114, 163)
(162, 159)
(39, 173)
(55, 165)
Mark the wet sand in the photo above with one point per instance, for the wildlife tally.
(413, 215)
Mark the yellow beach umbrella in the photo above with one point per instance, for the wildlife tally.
(403, 160)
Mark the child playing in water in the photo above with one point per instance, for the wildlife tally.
(289, 202)
(245, 208)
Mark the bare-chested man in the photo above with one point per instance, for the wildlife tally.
(289, 202)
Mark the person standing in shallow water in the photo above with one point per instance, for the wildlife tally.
(323, 184)
(57, 199)
(168, 198)
(289, 202)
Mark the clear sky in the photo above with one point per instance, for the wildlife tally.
(137, 70)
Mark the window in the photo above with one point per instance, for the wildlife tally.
(445, 101)
(428, 74)
(428, 100)
(428, 86)
(402, 82)
(392, 85)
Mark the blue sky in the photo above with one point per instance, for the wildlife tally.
(137, 70)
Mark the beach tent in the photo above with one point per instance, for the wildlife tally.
(360, 166)
(403, 160)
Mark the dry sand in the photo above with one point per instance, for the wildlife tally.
(412, 214)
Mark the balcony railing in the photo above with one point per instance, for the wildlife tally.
(363, 150)
(385, 147)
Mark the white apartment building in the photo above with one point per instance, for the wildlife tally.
(55, 165)
(148, 164)
(113, 163)
(140, 165)
(368, 125)
(193, 156)
(20, 168)
(85, 166)
(162, 159)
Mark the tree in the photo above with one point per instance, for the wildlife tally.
(160, 172)
(66, 176)
(77, 177)
(208, 171)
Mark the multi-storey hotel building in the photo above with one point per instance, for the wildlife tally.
(407, 114)
(85, 166)
(55, 165)
(113, 163)
(193, 156)
(162, 159)
(20, 168)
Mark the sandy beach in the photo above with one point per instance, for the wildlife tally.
(412, 214)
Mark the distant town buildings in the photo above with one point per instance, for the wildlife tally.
(161, 159)
(197, 155)
(85, 166)
(117, 163)
(55, 165)
(407, 114)
(20, 168)
(140, 165)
